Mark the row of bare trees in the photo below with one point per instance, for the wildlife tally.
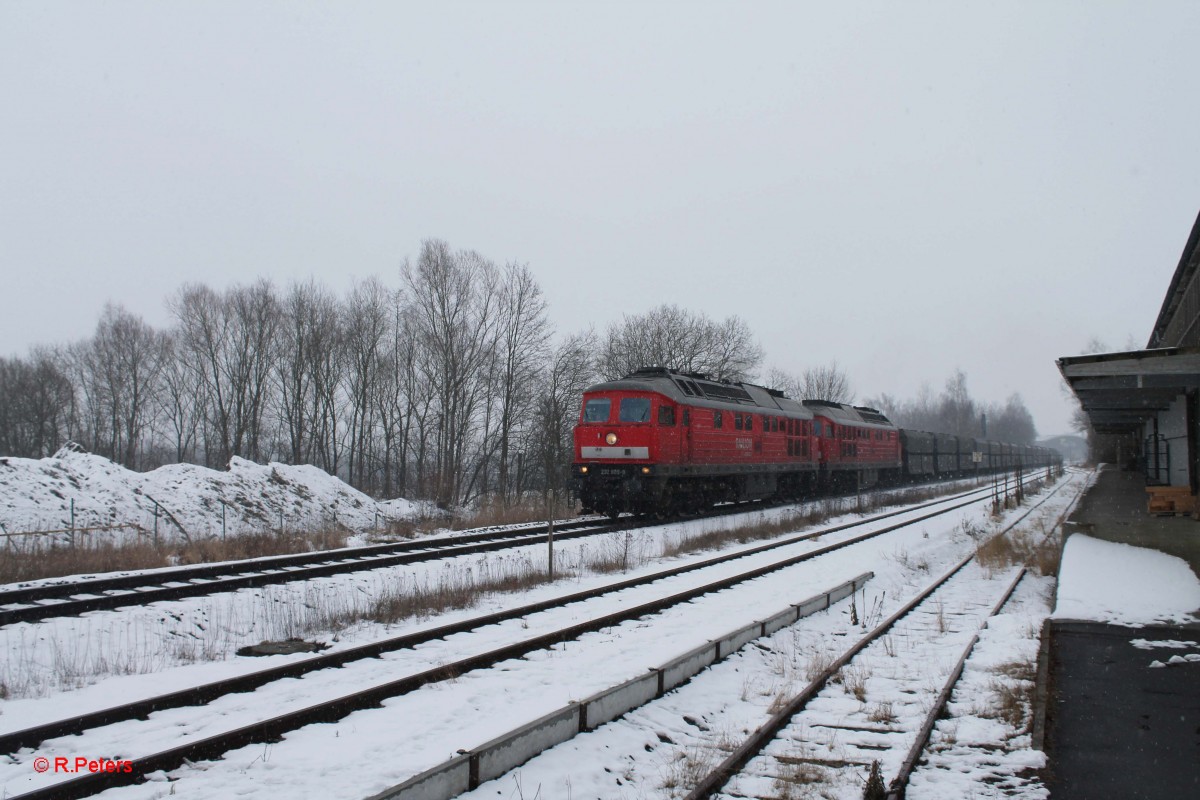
(955, 411)
(450, 386)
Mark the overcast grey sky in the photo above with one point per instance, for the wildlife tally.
(905, 188)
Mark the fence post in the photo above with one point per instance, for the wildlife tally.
(72, 534)
(156, 524)
(223, 520)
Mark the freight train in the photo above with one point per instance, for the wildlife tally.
(672, 442)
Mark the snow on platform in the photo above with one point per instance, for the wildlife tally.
(1121, 584)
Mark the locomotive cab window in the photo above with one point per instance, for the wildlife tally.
(737, 421)
(635, 409)
(717, 421)
(597, 410)
(666, 415)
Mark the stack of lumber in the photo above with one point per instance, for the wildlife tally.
(1167, 500)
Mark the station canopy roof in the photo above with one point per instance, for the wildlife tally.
(1121, 391)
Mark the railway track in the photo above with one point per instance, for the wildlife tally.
(822, 735)
(70, 598)
(340, 706)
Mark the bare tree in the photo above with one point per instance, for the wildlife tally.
(36, 401)
(959, 414)
(453, 297)
(228, 341)
(367, 319)
(571, 370)
(786, 382)
(1011, 422)
(827, 382)
(522, 348)
(118, 372)
(182, 401)
(669, 336)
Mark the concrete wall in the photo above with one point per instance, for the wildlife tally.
(490, 760)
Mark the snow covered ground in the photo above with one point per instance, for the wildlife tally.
(1121, 584)
(367, 751)
(36, 495)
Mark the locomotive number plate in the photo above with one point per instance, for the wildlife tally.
(611, 472)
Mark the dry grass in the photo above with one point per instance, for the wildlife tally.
(47, 558)
(854, 681)
(1038, 552)
(1017, 670)
(818, 663)
(1009, 701)
(883, 713)
(449, 594)
(685, 771)
(622, 553)
(800, 779)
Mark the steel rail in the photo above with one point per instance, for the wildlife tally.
(333, 710)
(768, 731)
(143, 588)
(899, 785)
(198, 695)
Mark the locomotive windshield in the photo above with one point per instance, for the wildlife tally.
(597, 410)
(635, 409)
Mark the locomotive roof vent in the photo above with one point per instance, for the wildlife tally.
(872, 415)
(649, 371)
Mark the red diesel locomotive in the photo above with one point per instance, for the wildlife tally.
(665, 441)
(668, 442)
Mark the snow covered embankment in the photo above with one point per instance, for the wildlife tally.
(36, 495)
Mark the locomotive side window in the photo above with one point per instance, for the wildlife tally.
(717, 421)
(666, 415)
(687, 417)
(737, 420)
(635, 409)
(597, 410)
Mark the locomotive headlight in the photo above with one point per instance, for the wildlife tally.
(645, 470)
(583, 470)
(611, 438)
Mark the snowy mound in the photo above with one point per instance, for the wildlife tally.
(37, 494)
(1124, 585)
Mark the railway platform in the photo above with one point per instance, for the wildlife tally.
(1119, 722)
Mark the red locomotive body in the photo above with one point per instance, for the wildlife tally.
(658, 440)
